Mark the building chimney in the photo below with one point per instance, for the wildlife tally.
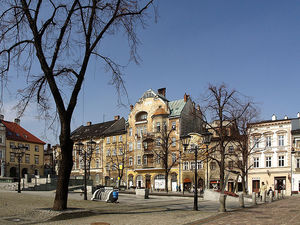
(131, 107)
(117, 117)
(298, 114)
(186, 97)
(198, 107)
(285, 117)
(89, 123)
(1, 117)
(162, 91)
(17, 121)
(274, 117)
(48, 147)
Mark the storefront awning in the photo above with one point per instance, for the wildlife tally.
(187, 180)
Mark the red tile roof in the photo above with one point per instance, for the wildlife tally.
(15, 132)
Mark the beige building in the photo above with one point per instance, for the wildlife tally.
(155, 126)
(109, 148)
(271, 157)
(32, 162)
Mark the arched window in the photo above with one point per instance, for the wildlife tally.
(141, 116)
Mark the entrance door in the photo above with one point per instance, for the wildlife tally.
(174, 186)
(255, 185)
(279, 183)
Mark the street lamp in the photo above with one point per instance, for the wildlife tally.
(206, 140)
(292, 153)
(185, 142)
(84, 152)
(19, 152)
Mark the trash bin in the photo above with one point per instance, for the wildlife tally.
(115, 195)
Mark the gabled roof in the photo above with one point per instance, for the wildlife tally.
(98, 130)
(160, 111)
(151, 94)
(176, 107)
(15, 132)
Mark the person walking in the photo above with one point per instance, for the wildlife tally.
(262, 189)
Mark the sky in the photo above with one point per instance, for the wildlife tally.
(252, 46)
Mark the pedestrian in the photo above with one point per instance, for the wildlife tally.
(262, 190)
(271, 190)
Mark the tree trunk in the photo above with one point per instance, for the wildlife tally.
(166, 181)
(244, 183)
(66, 164)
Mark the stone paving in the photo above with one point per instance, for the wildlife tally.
(34, 208)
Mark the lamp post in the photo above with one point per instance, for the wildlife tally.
(19, 152)
(206, 140)
(84, 152)
(292, 153)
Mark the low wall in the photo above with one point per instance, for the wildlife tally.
(212, 195)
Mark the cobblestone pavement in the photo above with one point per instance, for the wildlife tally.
(285, 211)
(34, 208)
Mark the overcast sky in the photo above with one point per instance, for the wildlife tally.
(253, 46)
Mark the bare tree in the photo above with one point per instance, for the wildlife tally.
(163, 152)
(61, 37)
(245, 144)
(117, 161)
(219, 104)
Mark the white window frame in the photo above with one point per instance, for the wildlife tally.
(255, 162)
(130, 146)
(139, 145)
(174, 141)
(130, 161)
(114, 139)
(268, 141)
(138, 160)
(186, 165)
(120, 138)
(268, 161)
(281, 161)
(199, 165)
(130, 132)
(174, 157)
(280, 140)
(107, 140)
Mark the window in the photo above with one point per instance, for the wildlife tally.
(1, 139)
(121, 151)
(139, 162)
(130, 146)
(27, 158)
(36, 148)
(256, 142)
(114, 139)
(185, 165)
(120, 138)
(174, 125)
(107, 167)
(107, 140)
(158, 127)
(298, 163)
(36, 159)
(281, 140)
(281, 160)
(199, 165)
(192, 165)
(268, 161)
(97, 163)
(1, 154)
(213, 166)
(12, 157)
(114, 152)
(97, 149)
(130, 132)
(173, 141)
(114, 166)
(230, 149)
(27, 147)
(11, 144)
(158, 142)
(145, 160)
(268, 141)
(158, 159)
(145, 145)
(108, 152)
(139, 145)
(174, 157)
(256, 162)
(130, 161)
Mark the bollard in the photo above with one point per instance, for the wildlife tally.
(253, 198)
(270, 196)
(222, 200)
(264, 196)
(276, 195)
(241, 200)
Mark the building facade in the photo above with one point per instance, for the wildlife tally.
(295, 171)
(32, 162)
(271, 158)
(155, 126)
